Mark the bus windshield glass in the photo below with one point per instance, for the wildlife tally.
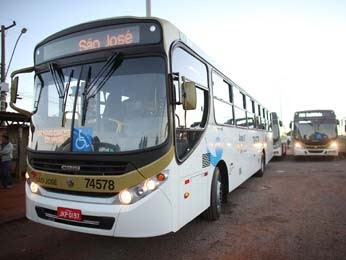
(126, 111)
(313, 131)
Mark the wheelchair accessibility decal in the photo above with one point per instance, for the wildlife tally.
(82, 139)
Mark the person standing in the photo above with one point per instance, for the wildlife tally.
(6, 158)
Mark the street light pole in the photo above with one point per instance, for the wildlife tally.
(24, 30)
(4, 71)
(3, 67)
(148, 8)
(3, 53)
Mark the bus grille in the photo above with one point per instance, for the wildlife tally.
(321, 146)
(86, 167)
(81, 193)
(88, 221)
(315, 151)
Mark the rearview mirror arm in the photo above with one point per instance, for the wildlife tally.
(15, 88)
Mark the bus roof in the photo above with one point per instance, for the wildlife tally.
(174, 34)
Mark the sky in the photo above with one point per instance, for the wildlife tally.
(290, 55)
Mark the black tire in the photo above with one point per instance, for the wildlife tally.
(214, 211)
(260, 172)
(284, 150)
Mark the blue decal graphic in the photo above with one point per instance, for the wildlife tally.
(214, 159)
(318, 136)
(82, 139)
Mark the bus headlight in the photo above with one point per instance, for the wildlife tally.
(333, 145)
(125, 197)
(298, 145)
(149, 185)
(133, 194)
(34, 187)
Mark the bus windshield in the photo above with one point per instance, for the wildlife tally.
(312, 131)
(127, 112)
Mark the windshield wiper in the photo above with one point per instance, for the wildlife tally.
(104, 74)
(65, 98)
(58, 78)
(36, 102)
(84, 98)
(59, 82)
(92, 88)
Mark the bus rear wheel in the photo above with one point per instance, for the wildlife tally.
(214, 211)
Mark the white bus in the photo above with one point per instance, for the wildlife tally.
(315, 133)
(342, 136)
(134, 132)
(279, 137)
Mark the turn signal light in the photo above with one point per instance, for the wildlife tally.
(160, 177)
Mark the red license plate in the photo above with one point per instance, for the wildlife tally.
(71, 214)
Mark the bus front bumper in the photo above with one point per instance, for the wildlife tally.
(315, 152)
(277, 151)
(150, 216)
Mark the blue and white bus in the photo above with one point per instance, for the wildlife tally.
(134, 132)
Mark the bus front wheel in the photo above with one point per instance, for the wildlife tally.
(214, 211)
(260, 172)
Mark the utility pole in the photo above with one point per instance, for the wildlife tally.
(148, 8)
(3, 67)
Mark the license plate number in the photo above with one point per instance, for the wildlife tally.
(71, 214)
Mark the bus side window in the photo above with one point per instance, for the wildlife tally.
(189, 124)
(222, 101)
(270, 122)
(239, 108)
(249, 113)
(250, 120)
(263, 119)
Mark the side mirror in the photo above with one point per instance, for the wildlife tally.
(291, 125)
(337, 122)
(14, 90)
(280, 123)
(189, 95)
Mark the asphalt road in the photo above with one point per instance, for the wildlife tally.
(296, 211)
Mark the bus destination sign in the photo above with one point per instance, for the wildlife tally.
(110, 39)
(98, 38)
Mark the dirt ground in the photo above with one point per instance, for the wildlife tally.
(296, 211)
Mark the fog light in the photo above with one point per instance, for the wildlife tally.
(125, 197)
(33, 187)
